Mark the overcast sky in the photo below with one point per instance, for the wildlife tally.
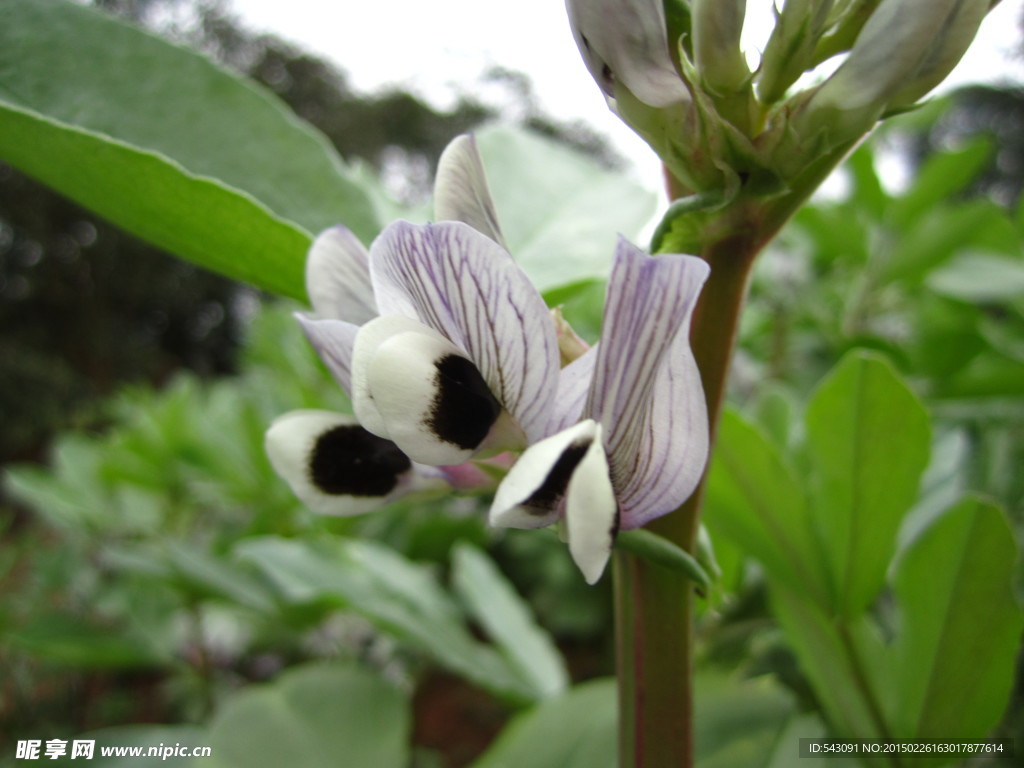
(439, 48)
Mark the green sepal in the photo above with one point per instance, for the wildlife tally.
(660, 551)
(667, 233)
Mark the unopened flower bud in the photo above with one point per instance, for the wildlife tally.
(717, 26)
(790, 49)
(905, 48)
(948, 48)
(626, 43)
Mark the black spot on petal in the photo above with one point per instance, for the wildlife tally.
(464, 408)
(349, 461)
(553, 488)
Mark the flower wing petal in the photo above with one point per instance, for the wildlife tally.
(333, 341)
(461, 192)
(645, 390)
(464, 285)
(335, 466)
(338, 277)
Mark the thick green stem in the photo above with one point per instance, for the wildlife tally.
(654, 607)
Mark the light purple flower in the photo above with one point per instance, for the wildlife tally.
(443, 345)
(631, 430)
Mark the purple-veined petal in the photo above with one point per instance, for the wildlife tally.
(650, 300)
(591, 512)
(573, 388)
(532, 493)
(461, 192)
(464, 285)
(336, 467)
(333, 341)
(338, 277)
(670, 463)
(627, 40)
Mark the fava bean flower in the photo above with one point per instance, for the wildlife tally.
(630, 428)
(445, 348)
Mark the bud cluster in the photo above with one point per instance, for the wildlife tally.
(676, 72)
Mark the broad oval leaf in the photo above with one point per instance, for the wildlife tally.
(959, 624)
(170, 121)
(148, 195)
(868, 440)
(754, 499)
(575, 730)
(559, 209)
(317, 716)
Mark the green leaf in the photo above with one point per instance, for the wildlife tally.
(203, 573)
(838, 233)
(737, 720)
(166, 144)
(868, 192)
(317, 716)
(736, 723)
(397, 596)
(980, 278)
(559, 209)
(69, 640)
(506, 618)
(150, 196)
(868, 441)
(754, 500)
(942, 175)
(575, 730)
(959, 624)
(844, 662)
(940, 233)
(987, 375)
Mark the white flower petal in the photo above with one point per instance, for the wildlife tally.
(531, 494)
(647, 438)
(461, 192)
(627, 40)
(367, 341)
(591, 512)
(434, 402)
(464, 285)
(334, 465)
(338, 277)
(333, 341)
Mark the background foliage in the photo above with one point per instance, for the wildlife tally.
(158, 584)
